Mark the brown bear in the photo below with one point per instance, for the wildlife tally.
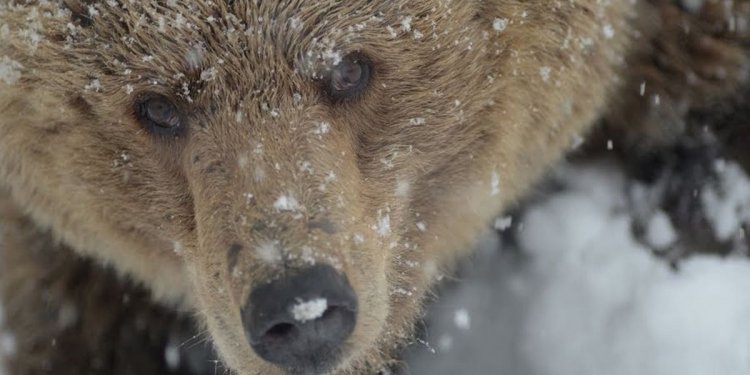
(283, 181)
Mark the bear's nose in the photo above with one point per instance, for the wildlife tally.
(300, 322)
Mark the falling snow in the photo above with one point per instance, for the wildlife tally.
(172, 357)
(295, 23)
(544, 72)
(417, 121)
(194, 58)
(209, 74)
(286, 203)
(94, 85)
(499, 24)
(462, 319)
(692, 5)
(403, 187)
(10, 71)
(495, 184)
(322, 128)
(269, 252)
(406, 23)
(383, 227)
(503, 223)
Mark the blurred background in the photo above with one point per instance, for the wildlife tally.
(590, 276)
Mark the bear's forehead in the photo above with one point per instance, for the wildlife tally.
(223, 43)
(242, 31)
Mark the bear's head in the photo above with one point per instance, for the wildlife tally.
(296, 173)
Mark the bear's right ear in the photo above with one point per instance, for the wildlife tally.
(81, 10)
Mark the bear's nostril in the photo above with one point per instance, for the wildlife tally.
(330, 311)
(281, 331)
(301, 322)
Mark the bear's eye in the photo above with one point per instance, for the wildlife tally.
(158, 114)
(350, 77)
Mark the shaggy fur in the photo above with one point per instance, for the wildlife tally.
(464, 112)
(74, 317)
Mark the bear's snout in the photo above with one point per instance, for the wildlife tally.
(301, 322)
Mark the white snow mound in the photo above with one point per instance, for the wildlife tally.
(585, 298)
(309, 310)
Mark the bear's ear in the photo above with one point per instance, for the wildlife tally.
(81, 10)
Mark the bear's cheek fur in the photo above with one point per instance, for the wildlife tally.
(60, 170)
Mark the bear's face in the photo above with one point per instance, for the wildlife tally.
(209, 149)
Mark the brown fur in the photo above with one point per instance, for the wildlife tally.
(683, 63)
(75, 162)
(75, 317)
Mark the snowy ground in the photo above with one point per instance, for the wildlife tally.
(578, 295)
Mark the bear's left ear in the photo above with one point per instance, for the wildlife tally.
(81, 10)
